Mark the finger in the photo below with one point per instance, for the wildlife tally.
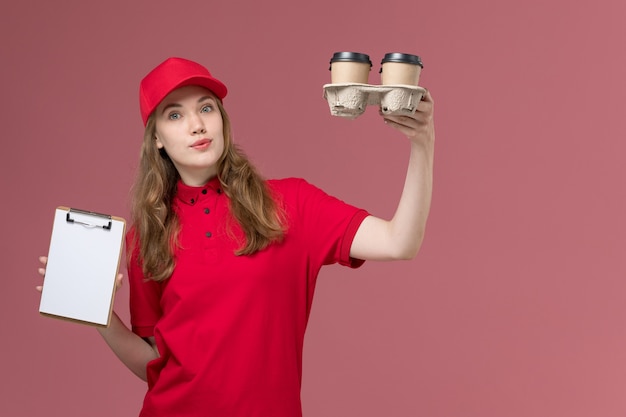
(401, 120)
(406, 130)
(42, 271)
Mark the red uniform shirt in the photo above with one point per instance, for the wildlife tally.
(230, 329)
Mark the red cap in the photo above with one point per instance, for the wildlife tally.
(170, 75)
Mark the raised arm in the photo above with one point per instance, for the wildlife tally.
(401, 237)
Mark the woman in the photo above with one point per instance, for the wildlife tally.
(223, 264)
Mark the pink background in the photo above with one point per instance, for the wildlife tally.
(516, 304)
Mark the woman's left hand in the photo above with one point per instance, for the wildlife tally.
(419, 127)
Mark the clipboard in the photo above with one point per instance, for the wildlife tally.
(83, 262)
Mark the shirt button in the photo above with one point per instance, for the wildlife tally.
(219, 191)
(207, 211)
(208, 234)
(204, 191)
(193, 201)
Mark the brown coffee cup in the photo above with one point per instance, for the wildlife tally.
(400, 69)
(349, 67)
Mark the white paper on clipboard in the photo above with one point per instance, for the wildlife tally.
(83, 262)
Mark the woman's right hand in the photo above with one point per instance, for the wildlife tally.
(132, 350)
(42, 271)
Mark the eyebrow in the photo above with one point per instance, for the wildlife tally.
(177, 105)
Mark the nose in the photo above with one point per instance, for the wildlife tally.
(196, 125)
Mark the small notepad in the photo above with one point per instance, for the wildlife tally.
(83, 263)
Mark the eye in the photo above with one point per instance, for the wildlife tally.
(174, 116)
(206, 109)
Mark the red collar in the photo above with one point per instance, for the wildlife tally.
(190, 195)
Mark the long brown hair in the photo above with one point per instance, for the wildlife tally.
(155, 224)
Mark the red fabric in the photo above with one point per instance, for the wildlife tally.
(230, 329)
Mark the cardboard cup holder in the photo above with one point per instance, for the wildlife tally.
(350, 100)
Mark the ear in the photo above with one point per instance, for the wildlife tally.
(159, 144)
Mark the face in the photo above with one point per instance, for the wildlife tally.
(189, 128)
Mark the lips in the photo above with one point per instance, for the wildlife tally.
(201, 144)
